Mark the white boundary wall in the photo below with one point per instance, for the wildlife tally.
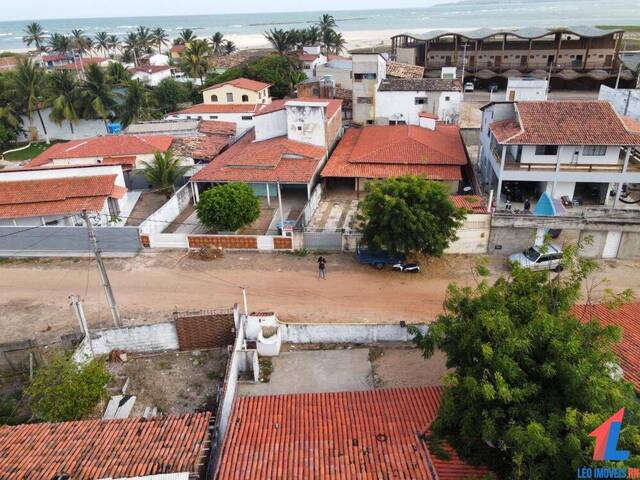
(167, 213)
(312, 205)
(158, 337)
(473, 236)
(345, 333)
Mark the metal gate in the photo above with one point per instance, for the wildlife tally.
(330, 241)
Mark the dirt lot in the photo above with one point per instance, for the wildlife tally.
(406, 367)
(173, 382)
(33, 294)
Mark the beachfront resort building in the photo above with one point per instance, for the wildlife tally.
(233, 101)
(579, 152)
(567, 53)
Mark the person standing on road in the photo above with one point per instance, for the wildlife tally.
(322, 264)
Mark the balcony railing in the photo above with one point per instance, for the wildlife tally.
(511, 164)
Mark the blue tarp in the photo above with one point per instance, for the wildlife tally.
(545, 207)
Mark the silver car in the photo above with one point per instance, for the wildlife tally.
(547, 257)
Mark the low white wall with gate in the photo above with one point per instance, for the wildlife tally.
(167, 213)
(345, 333)
(158, 337)
(311, 206)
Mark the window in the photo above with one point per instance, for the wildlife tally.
(214, 98)
(229, 97)
(364, 76)
(316, 91)
(546, 149)
(299, 128)
(245, 98)
(446, 99)
(213, 117)
(307, 66)
(365, 100)
(594, 150)
(420, 101)
(369, 122)
(247, 117)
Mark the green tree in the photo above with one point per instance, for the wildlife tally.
(408, 215)
(195, 59)
(169, 93)
(97, 97)
(529, 380)
(117, 74)
(217, 43)
(113, 43)
(283, 73)
(80, 42)
(102, 42)
(59, 43)
(164, 172)
(229, 47)
(228, 207)
(26, 87)
(160, 38)
(138, 104)
(186, 36)
(62, 96)
(34, 34)
(64, 391)
(281, 40)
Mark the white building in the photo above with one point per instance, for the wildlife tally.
(311, 57)
(369, 69)
(339, 69)
(524, 89)
(625, 101)
(400, 101)
(55, 196)
(578, 152)
(151, 75)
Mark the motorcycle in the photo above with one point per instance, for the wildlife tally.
(407, 267)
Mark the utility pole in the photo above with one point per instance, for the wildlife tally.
(76, 305)
(115, 314)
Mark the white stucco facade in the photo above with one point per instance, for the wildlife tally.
(368, 71)
(403, 106)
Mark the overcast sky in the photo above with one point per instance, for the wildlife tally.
(42, 9)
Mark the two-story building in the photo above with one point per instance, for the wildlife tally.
(233, 101)
(580, 152)
(151, 75)
(400, 101)
(311, 57)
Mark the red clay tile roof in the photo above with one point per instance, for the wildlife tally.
(365, 435)
(472, 203)
(565, 123)
(200, 148)
(395, 150)
(78, 65)
(307, 57)
(87, 450)
(56, 196)
(213, 108)
(107, 146)
(245, 83)
(333, 105)
(54, 57)
(8, 63)
(404, 70)
(215, 127)
(628, 350)
(276, 159)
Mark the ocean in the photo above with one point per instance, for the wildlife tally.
(246, 29)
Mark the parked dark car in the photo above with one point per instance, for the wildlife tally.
(377, 259)
(494, 87)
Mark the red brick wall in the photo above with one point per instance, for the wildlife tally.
(333, 127)
(282, 243)
(238, 241)
(205, 331)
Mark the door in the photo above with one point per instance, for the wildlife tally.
(512, 95)
(472, 61)
(498, 60)
(447, 61)
(608, 60)
(611, 244)
(523, 61)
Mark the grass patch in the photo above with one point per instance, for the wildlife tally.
(266, 369)
(29, 153)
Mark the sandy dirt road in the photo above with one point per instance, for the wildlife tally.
(33, 294)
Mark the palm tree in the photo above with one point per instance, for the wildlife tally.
(132, 45)
(80, 41)
(34, 34)
(229, 47)
(62, 97)
(164, 172)
(97, 96)
(27, 83)
(160, 38)
(113, 42)
(59, 43)
(102, 42)
(326, 24)
(217, 43)
(334, 42)
(117, 74)
(187, 36)
(195, 59)
(311, 35)
(280, 40)
(145, 38)
(137, 105)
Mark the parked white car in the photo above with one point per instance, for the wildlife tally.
(469, 87)
(548, 257)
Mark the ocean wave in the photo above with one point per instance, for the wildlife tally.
(126, 26)
(6, 34)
